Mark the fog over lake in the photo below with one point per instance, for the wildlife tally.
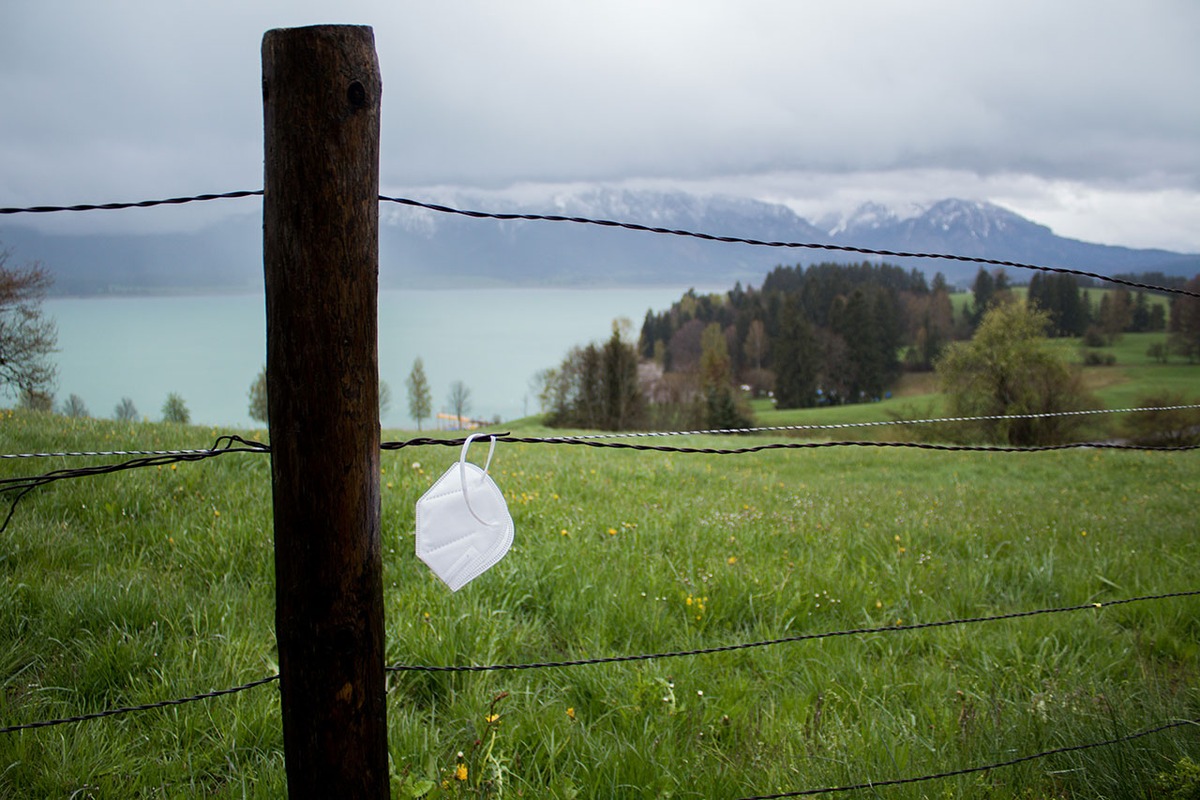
(210, 349)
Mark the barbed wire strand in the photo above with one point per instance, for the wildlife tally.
(705, 432)
(632, 226)
(259, 447)
(984, 768)
(101, 453)
(622, 659)
(112, 712)
(874, 424)
(22, 486)
(953, 448)
(803, 637)
(171, 201)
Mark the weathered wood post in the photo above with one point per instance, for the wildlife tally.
(321, 103)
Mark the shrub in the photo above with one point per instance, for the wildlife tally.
(1008, 368)
(1093, 359)
(1169, 428)
(1094, 337)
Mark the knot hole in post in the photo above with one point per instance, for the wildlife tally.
(356, 93)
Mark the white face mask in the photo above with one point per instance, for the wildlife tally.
(463, 524)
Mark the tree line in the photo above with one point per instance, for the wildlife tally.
(823, 335)
(828, 334)
(420, 396)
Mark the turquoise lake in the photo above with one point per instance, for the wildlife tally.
(210, 349)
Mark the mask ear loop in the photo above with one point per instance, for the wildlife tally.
(462, 473)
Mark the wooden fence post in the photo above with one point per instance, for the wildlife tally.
(321, 104)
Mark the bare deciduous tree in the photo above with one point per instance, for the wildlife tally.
(125, 411)
(27, 337)
(460, 400)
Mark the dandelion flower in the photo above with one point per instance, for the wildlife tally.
(612, 531)
(460, 772)
(571, 712)
(731, 560)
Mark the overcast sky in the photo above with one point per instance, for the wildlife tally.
(1081, 115)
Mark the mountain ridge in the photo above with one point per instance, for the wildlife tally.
(421, 248)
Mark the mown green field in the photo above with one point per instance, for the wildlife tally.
(157, 584)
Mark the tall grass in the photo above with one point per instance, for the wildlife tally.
(158, 583)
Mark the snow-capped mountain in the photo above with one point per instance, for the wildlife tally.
(422, 247)
(985, 230)
(945, 220)
(868, 217)
(449, 249)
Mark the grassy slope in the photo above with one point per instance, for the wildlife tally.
(158, 583)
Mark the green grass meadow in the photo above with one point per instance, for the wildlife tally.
(157, 583)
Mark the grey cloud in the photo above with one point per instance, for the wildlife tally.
(152, 98)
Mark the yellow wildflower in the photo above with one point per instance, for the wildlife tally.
(571, 712)
(460, 772)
